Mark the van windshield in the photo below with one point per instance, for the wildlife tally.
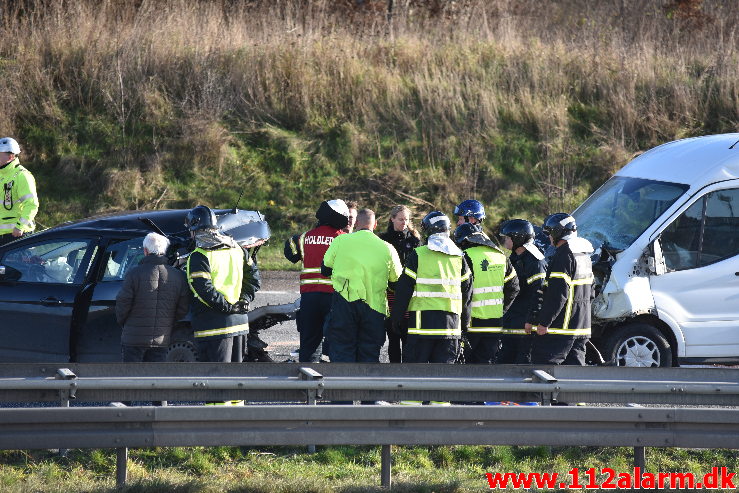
(623, 208)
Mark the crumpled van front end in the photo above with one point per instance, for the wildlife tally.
(655, 228)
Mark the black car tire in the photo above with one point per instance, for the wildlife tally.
(638, 345)
(183, 351)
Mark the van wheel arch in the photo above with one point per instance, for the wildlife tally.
(637, 343)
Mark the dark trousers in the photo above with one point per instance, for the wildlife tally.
(515, 349)
(424, 349)
(557, 349)
(395, 343)
(355, 331)
(138, 354)
(215, 350)
(314, 308)
(483, 349)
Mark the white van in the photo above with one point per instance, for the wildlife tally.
(666, 233)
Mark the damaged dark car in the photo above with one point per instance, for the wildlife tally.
(58, 287)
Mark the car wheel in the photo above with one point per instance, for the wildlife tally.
(183, 351)
(639, 345)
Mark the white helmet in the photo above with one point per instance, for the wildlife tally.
(8, 144)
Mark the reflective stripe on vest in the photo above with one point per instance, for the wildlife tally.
(420, 331)
(570, 301)
(488, 267)
(438, 282)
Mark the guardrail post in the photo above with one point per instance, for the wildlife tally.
(121, 466)
(121, 458)
(386, 467)
(312, 395)
(544, 377)
(66, 395)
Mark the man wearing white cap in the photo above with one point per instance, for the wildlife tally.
(20, 202)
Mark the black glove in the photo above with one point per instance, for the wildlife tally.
(240, 307)
(400, 327)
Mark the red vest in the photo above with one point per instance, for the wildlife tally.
(313, 245)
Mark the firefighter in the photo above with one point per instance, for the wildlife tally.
(435, 288)
(494, 287)
(223, 280)
(469, 211)
(20, 202)
(315, 288)
(518, 236)
(361, 266)
(561, 314)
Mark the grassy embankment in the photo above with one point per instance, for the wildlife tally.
(179, 103)
(331, 469)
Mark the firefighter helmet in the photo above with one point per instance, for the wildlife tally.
(201, 217)
(559, 226)
(464, 231)
(520, 231)
(470, 208)
(334, 213)
(435, 222)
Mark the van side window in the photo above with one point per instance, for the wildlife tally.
(707, 232)
(721, 229)
(680, 239)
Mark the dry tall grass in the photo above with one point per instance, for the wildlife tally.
(428, 104)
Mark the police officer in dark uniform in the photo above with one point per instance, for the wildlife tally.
(494, 287)
(436, 289)
(518, 235)
(562, 313)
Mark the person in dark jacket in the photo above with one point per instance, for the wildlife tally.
(494, 287)
(153, 297)
(561, 314)
(403, 236)
(518, 235)
(316, 291)
(436, 289)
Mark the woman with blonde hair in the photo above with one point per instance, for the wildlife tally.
(403, 236)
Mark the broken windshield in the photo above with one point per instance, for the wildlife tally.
(623, 208)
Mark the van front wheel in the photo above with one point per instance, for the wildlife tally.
(637, 345)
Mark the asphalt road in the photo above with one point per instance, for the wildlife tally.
(280, 287)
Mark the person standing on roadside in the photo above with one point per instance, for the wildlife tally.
(153, 298)
(223, 280)
(360, 266)
(315, 288)
(494, 287)
(519, 236)
(402, 235)
(435, 288)
(20, 202)
(561, 316)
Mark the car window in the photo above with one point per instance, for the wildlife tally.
(708, 231)
(56, 261)
(121, 257)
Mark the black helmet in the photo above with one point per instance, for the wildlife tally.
(559, 226)
(470, 208)
(201, 217)
(435, 222)
(334, 213)
(464, 231)
(520, 231)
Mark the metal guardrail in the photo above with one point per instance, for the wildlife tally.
(285, 382)
(299, 424)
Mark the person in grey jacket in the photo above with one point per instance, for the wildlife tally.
(153, 297)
